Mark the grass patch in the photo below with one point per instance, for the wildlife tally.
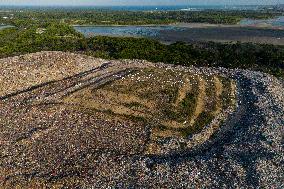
(186, 109)
(161, 127)
(135, 118)
(202, 120)
(133, 105)
(171, 93)
(170, 113)
(210, 91)
(226, 97)
(188, 104)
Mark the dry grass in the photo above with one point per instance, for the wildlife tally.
(173, 103)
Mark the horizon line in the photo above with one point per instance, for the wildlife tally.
(44, 5)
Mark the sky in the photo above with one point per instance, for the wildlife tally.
(140, 2)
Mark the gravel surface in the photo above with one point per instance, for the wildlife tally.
(45, 143)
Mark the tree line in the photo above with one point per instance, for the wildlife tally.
(77, 16)
(62, 37)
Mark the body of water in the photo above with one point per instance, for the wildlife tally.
(130, 31)
(170, 34)
(154, 31)
(276, 22)
(4, 26)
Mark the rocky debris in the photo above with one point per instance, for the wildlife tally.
(20, 72)
(68, 148)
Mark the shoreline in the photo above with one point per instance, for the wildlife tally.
(191, 25)
(5, 26)
(207, 25)
(121, 25)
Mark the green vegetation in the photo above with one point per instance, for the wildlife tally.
(266, 58)
(188, 103)
(226, 93)
(211, 92)
(133, 105)
(185, 108)
(19, 17)
(171, 93)
(172, 108)
(202, 120)
(14, 41)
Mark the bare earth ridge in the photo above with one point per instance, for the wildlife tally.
(72, 121)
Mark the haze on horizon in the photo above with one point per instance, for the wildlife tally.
(138, 2)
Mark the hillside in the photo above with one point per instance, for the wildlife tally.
(70, 120)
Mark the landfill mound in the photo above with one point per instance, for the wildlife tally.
(69, 120)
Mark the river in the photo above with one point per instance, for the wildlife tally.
(255, 31)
